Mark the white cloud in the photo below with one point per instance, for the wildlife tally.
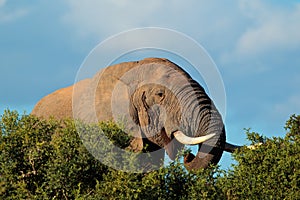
(272, 28)
(243, 28)
(241, 35)
(266, 38)
(103, 18)
(198, 18)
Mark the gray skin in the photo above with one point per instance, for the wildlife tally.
(155, 98)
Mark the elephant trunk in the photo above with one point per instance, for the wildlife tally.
(210, 151)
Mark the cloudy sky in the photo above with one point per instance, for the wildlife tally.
(255, 45)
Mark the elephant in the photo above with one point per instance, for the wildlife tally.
(161, 104)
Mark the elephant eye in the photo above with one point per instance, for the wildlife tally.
(160, 94)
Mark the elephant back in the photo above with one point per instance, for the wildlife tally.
(109, 91)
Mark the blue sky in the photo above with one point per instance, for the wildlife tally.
(255, 44)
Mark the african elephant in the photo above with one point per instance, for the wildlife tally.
(162, 104)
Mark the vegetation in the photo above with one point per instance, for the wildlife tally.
(42, 159)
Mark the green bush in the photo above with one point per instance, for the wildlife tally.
(272, 171)
(46, 159)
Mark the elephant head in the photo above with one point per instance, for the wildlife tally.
(172, 110)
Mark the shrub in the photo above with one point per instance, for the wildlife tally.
(46, 159)
(272, 171)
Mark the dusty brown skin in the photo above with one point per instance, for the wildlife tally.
(155, 96)
(59, 103)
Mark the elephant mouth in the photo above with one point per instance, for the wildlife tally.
(173, 146)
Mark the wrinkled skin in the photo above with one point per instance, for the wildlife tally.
(155, 97)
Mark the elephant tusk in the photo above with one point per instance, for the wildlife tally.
(184, 139)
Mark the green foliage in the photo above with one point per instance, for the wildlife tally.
(271, 171)
(46, 159)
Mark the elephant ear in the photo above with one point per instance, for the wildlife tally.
(133, 112)
(136, 144)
